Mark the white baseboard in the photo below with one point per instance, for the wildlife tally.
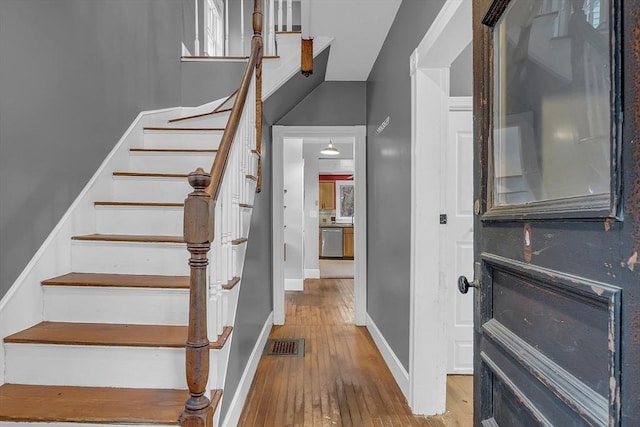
(293, 284)
(397, 370)
(312, 273)
(239, 398)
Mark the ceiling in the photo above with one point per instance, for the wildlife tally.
(358, 29)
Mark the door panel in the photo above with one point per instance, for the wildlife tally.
(557, 298)
(458, 243)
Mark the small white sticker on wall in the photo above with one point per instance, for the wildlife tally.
(383, 125)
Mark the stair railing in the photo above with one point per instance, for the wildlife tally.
(213, 210)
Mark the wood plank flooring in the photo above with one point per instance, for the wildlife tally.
(342, 379)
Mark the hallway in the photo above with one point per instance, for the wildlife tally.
(342, 379)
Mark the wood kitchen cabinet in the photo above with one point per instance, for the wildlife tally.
(347, 242)
(327, 195)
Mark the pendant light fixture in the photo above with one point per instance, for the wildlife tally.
(329, 150)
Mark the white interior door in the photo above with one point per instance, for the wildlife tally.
(457, 242)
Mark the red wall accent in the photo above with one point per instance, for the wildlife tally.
(341, 177)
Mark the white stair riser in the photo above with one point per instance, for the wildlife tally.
(182, 139)
(170, 162)
(152, 220)
(97, 366)
(150, 189)
(140, 306)
(129, 258)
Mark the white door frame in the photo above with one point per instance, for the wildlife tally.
(359, 223)
(449, 34)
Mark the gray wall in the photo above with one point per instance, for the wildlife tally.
(330, 104)
(461, 72)
(189, 24)
(73, 76)
(389, 175)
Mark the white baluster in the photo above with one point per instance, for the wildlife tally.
(196, 43)
(280, 16)
(226, 27)
(289, 15)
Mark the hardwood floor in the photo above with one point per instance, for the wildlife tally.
(342, 379)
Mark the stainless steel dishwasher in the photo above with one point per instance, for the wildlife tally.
(331, 242)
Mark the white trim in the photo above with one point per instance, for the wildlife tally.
(239, 398)
(311, 273)
(293, 284)
(289, 65)
(360, 219)
(398, 371)
(461, 103)
(449, 34)
(429, 68)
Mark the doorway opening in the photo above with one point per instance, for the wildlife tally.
(300, 217)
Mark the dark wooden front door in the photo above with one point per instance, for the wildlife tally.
(557, 212)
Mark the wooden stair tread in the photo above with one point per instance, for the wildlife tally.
(109, 334)
(96, 405)
(245, 205)
(150, 174)
(239, 241)
(140, 204)
(172, 150)
(183, 129)
(129, 238)
(119, 280)
(251, 177)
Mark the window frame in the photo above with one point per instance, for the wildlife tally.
(595, 207)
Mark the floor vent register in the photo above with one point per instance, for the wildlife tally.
(285, 347)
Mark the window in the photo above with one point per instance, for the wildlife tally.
(214, 28)
(552, 121)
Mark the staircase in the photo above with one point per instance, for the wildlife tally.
(94, 331)
(111, 346)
